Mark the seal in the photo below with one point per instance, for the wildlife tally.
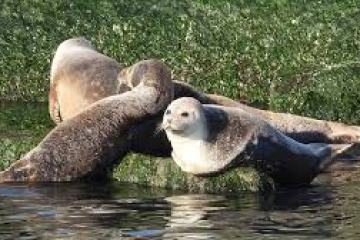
(80, 76)
(209, 139)
(301, 129)
(90, 143)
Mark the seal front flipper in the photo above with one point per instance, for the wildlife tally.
(54, 107)
(18, 171)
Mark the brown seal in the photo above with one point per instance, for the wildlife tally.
(90, 143)
(79, 76)
(209, 139)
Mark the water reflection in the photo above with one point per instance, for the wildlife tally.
(76, 210)
(115, 211)
(286, 215)
(190, 216)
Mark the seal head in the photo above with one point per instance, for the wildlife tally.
(187, 127)
(185, 117)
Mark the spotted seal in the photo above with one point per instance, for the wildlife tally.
(80, 76)
(90, 143)
(209, 139)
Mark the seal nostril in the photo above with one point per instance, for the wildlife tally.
(184, 114)
(169, 120)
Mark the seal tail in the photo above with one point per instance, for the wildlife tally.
(343, 157)
(17, 172)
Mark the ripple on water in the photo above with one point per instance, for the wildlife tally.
(73, 211)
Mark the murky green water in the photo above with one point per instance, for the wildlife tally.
(116, 211)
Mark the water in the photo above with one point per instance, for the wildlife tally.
(123, 211)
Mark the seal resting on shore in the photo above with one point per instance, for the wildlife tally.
(209, 139)
(90, 143)
(80, 76)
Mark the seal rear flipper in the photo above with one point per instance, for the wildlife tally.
(288, 162)
(344, 157)
(19, 171)
(283, 166)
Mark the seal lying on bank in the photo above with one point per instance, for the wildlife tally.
(81, 76)
(90, 143)
(209, 139)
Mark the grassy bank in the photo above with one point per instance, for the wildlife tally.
(294, 56)
(22, 126)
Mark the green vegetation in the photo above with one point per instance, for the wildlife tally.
(22, 126)
(294, 56)
(162, 172)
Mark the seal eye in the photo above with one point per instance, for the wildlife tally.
(184, 114)
(168, 112)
